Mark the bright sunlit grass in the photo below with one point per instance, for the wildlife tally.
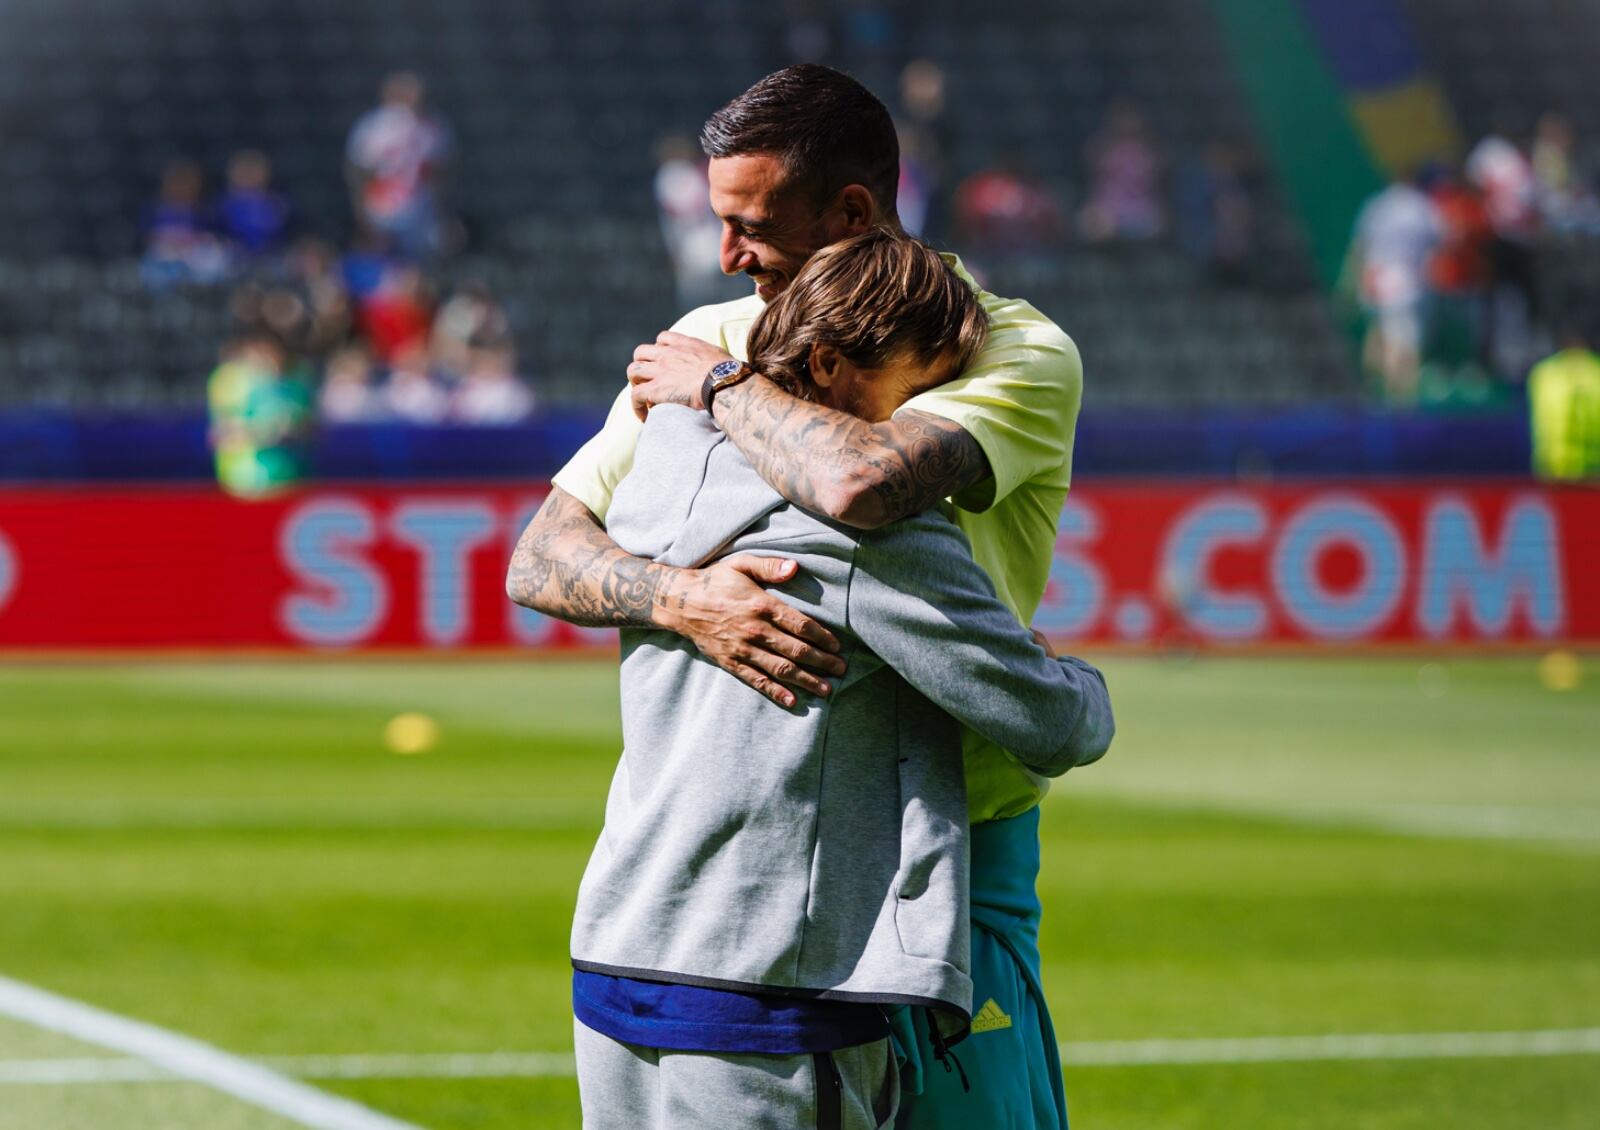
(1273, 848)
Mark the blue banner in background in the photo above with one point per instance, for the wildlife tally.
(62, 447)
(1368, 44)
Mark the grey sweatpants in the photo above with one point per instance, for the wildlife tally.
(627, 1087)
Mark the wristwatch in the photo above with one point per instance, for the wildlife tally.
(724, 374)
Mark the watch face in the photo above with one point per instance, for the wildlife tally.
(724, 369)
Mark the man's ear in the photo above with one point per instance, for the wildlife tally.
(856, 209)
(824, 365)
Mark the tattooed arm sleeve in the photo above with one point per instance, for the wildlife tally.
(567, 566)
(865, 475)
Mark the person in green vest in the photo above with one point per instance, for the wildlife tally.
(1564, 411)
(260, 412)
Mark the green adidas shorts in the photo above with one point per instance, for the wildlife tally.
(1006, 1075)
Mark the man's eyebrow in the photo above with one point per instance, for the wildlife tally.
(749, 223)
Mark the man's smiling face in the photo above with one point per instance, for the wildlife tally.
(769, 228)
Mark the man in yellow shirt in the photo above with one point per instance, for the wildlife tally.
(1564, 412)
(803, 159)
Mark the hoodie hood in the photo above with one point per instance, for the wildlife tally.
(687, 527)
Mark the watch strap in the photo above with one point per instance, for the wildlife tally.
(715, 383)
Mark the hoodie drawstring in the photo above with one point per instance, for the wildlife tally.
(942, 1053)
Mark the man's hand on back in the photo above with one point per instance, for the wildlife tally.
(734, 622)
(565, 565)
(671, 370)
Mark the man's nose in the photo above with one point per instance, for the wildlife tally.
(735, 255)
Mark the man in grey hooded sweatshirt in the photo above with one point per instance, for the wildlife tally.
(769, 879)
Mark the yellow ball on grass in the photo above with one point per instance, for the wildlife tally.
(1560, 671)
(411, 733)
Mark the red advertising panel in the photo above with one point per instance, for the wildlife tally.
(399, 567)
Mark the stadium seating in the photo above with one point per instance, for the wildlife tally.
(556, 109)
(1502, 65)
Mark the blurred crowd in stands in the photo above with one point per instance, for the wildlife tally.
(1133, 192)
(366, 320)
(1444, 265)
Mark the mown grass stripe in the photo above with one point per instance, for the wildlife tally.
(1087, 1053)
(1571, 826)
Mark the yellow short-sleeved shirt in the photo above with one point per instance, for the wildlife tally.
(1019, 399)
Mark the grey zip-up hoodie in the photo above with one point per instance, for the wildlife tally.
(819, 850)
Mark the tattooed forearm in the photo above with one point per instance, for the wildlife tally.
(565, 565)
(865, 475)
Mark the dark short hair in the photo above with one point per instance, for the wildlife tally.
(828, 129)
(872, 297)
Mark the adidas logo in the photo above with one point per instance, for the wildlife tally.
(990, 1018)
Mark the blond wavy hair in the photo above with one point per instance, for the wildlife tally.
(874, 296)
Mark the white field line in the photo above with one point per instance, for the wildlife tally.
(1290, 1049)
(1489, 822)
(181, 1057)
(1450, 821)
(1101, 1053)
(1572, 829)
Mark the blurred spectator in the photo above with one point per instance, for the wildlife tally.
(1502, 172)
(923, 148)
(259, 417)
(179, 246)
(349, 392)
(398, 315)
(281, 309)
(1566, 196)
(471, 320)
(1505, 177)
(363, 263)
(1564, 411)
(1552, 161)
(312, 269)
(1215, 213)
(411, 393)
(920, 177)
(691, 231)
(396, 153)
(251, 214)
(1460, 262)
(922, 90)
(1458, 269)
(1004, 210)
(491, 393)
(283, 313)
(1124, 197)
(1395, 234)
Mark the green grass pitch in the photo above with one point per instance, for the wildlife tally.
(1274, 848)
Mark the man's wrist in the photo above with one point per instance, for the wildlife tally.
(723, 375)
(666, 611)
(732, 395)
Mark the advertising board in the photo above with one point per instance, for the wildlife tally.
(1139, 564)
